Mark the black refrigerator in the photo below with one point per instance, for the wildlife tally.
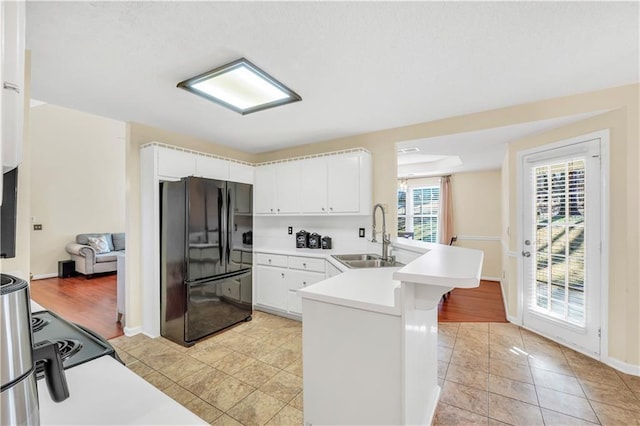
(206, 243)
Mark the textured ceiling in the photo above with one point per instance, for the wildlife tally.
(359, 66)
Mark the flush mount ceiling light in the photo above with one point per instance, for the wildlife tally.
(240, 86)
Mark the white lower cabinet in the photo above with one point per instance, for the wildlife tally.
(279, 277)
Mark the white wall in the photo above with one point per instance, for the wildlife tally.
(77, 181)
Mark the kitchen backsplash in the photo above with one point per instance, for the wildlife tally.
(270, 232)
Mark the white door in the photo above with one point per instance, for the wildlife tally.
(561, 243)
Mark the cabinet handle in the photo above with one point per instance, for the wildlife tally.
(269, 260)
(270, 209)
(11, 86)
(331, 208)
(323, 209)
(278, 209)
(304, 283)
(304, 264)
(283, 275)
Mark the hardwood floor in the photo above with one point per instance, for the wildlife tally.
(480, 304)
(88, 302)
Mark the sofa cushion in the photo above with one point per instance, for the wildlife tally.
(84, 239)
(106, 257)
(118, 240)
(99, 244)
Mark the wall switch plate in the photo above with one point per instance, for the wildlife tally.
(37, 227)
(290, 230)
(361, 232)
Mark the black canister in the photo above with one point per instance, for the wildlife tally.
(326, 242)
(302, 239)
(315, 241)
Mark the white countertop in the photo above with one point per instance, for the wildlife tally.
(103, 391)
(378, 289)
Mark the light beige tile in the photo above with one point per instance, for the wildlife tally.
(257, 373)
(471, 335)
(147, 348)
(257, 349)
(465, 397)
(159, 380)
(171, 344)
(280, 358)
(225, 420)
(183, 368)
(504, 328)
(126, 357)
(288, 416)
(470, 358)
(276, 338)
(295, 367)
(510, 370)
(553, 418)
(509, 353)
(494, 422)
(237, 341)
(447, 334)
(442, 369)
(619, 397)
(140, 368)
(557, 381)
(514, 412)
(444, 353)
(614, 416)
(179, 394)
(473, 327)
(467, 376)
(256, 409)
(227, 393)
(294, 343)
(200, 382)
(283, 386)
(210, 354)
(471, 345)
(599, 374)
(160, 360)
(256, 331)
(126, 343)
(521, 391)
(567, 404)
(233, 363)
(298, 401)
(449, 415)
(550, 363)
(633, 382)
(203, 409)
(506, 340)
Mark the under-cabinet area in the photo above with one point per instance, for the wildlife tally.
(278, 277)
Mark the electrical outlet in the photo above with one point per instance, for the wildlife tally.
(290, 230)
(37, 227)
(361, 232)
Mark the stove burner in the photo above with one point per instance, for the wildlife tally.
(68, 348)
(38, 324)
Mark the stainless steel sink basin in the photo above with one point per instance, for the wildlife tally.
(365, 261)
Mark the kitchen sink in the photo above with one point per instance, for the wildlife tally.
(365, 261)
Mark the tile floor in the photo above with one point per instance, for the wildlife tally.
(490, 373)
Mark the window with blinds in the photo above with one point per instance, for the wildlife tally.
(418, 210)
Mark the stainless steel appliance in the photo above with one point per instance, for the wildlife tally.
(205, 257)
(19, 357)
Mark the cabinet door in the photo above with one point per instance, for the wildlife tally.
(314, 185)
(295, 281)
(344, 184)
(271, 288)
(265, 190)
(212, 168)
(176, 164)
(242, 173)
(288, 187)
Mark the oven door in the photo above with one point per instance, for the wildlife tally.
(215, 304)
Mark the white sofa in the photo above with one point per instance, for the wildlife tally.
(87, 261)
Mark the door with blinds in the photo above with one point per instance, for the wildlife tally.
(562, 243)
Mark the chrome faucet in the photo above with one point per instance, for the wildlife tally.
(386, 238)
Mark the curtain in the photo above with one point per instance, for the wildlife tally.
(445, 221)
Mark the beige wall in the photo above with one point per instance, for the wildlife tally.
(77, 180)
(19, 265)
(137, 135)
(477, 216)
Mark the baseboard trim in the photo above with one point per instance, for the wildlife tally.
(490, 279)
(513, 320)
(631, 369)
(44, 276)
(132, 331)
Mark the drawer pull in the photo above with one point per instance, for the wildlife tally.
(304, 283)
(304, 264)
(283, 275)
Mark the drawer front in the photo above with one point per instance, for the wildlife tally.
(306, 263)
(272, 259)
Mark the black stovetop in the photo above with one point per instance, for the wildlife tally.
(77, 344)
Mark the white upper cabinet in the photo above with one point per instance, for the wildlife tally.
(242, 173)
(212, 168)
(264, 192)
(176, 164)
(12, 20)
(313, 177)
(344, 184)
(288, 187)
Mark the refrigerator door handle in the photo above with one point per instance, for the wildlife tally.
(220, 251)
(228, 245)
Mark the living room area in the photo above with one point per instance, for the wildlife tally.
(76, 178)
